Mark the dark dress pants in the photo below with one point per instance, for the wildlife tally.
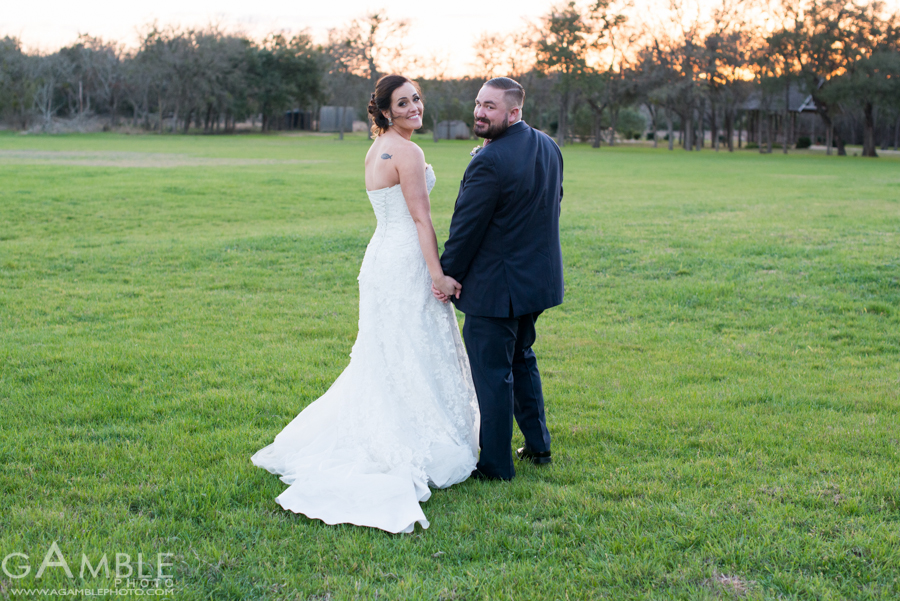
(508, 384)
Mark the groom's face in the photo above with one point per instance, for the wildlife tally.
(492, 115)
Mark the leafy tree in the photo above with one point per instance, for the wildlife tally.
(822, 40)
(630, 123)
(659, 81)
(872, 81)
(870, 49)
(16, 82)
(561, 49)
(286, 73)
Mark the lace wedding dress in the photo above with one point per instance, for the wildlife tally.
(403, 415)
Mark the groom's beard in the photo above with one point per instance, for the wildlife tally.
(491, 130)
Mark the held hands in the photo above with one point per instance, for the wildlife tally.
(444, 287)
(438, 294)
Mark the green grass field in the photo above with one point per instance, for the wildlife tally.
(722, 380)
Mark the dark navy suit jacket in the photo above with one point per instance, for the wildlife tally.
(504, 235)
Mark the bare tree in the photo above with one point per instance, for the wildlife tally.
(49, 73)
(371, 46)
(727, 47)
(492, 56)
(95, 80)
(604, 24)
(367, 47)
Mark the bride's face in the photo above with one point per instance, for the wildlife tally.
(406, 107)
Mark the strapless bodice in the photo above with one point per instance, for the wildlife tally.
(390, 205)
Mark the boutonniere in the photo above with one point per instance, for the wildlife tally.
(476, 150)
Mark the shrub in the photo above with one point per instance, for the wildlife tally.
(582, 123)
(751, 145)
(630, 122)
(803, 142)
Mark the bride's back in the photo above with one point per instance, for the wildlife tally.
(382, 161)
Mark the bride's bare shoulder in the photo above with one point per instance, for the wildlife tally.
(400, 153)
(408, 151)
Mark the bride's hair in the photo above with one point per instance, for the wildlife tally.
(381, 100)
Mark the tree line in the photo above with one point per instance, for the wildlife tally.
(599, 71)
(176, 78)
(706, 73)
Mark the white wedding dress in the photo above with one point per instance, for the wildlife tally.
(403, 415)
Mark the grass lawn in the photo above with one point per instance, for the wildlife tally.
(722, 380)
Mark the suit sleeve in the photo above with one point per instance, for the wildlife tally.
(559, 154)
(472, 214)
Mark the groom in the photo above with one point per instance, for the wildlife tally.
(504, 249)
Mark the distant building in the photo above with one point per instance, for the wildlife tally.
(330, 118)
(452, 130)
(297, 119)
(780, 116)
(776, 101)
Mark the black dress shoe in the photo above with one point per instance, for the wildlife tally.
(479, 475)
(525, 454)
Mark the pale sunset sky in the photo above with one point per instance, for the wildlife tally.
(445, 28)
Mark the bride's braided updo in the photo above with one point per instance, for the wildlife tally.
(381, 101)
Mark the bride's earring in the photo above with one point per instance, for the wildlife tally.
(390, 122)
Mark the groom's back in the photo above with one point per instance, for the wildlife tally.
(517, 265)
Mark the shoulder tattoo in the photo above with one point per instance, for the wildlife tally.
(386, 156)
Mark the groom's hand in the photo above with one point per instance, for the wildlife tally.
(447, 286)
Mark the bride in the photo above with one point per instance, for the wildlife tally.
(403, 415)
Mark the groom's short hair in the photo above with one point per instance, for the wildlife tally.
(514, 93)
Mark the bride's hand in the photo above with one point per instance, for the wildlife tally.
(448, 286)
(439, 295)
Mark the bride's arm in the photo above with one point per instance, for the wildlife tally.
(411, 168)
